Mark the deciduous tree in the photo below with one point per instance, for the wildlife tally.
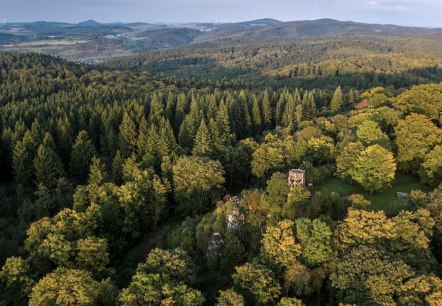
(374, 169)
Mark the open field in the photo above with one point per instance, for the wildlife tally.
(52, 42)
(386, 200)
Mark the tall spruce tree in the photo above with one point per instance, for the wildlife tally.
(180, 112)
(256, 116)
(202, 146)
(246, 118)
(143, 132)
(97, 172)
(170, 106)
(235, 116)
(48, 167)
(336, 102)
(266, 111)
(280, 106)
(167, 137)
(82, 152)
(22, 158)
(212, 107)
(128, 135)
(64, 138)
(223, 123)
(156, 110)
(117, 168)
(288, 116)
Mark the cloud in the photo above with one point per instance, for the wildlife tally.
(388, 6)
(399, 7)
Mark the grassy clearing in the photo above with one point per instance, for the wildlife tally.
(386, 200)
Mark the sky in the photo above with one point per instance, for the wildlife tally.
(427, 13)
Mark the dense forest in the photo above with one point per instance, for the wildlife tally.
(322, 62)
(131, 187)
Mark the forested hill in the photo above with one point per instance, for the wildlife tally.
(169, 37)
(93, 42)
(117, 188)
(361, 61)
(262, 29)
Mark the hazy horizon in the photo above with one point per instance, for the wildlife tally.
(220, 21)
(423, 13)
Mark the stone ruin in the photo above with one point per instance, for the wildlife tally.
(234, 221)
(236, 218)
(296, 178)
(215, 244)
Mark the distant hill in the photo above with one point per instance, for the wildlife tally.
(168, 37)
(42, 24)
(302, 29)
(329, 27)
(90, 23)
(6, 39)
(261, 22)
(132, 38)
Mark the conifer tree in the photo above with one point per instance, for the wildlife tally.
(289, 113)
(37, 132)
(128, 135)
(256, 116)
(156, 110)
(48, 167)
(180, 112)
(184, 135)
(167, 137)
(217, 142)
(19, 130)
(64, 138)
(223, 123)
(97, 172)
(93, 127)
(235, 116)
(297, 97)
(336, 102)
(246, 119)
(22, 158)
(299, 114)
(142, 137)
(202, 146)
(193, 119)
(48, 141)
(266, 111)
(44, 200)
(117, 168)
(212, 107)
(280, 106)
(353, 96)
(170, 107)
(308, 106)
(312, 106)
(82, 152)
(151, 150)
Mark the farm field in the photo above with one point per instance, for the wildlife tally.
(52, 42)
